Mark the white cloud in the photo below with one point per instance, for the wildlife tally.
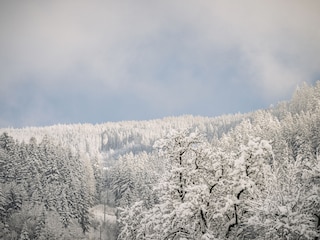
(130, 46)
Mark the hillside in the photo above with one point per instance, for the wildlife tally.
(242, 176)
(110, 140)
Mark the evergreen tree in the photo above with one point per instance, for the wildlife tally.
(40, 225)
(14, 199)
(24, 234)
(3, 213)
(83, 210)
(63, 209)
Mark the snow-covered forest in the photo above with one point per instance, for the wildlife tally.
(243, 176)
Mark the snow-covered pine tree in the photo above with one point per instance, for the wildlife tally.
(83, 209)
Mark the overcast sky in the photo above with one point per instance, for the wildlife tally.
(74, 61)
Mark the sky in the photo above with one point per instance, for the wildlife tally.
(66, 61)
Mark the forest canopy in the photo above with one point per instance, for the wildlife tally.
(243, 176)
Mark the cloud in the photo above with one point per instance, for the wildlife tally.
(173, 56)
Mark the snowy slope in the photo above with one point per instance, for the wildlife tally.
(109, 140)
